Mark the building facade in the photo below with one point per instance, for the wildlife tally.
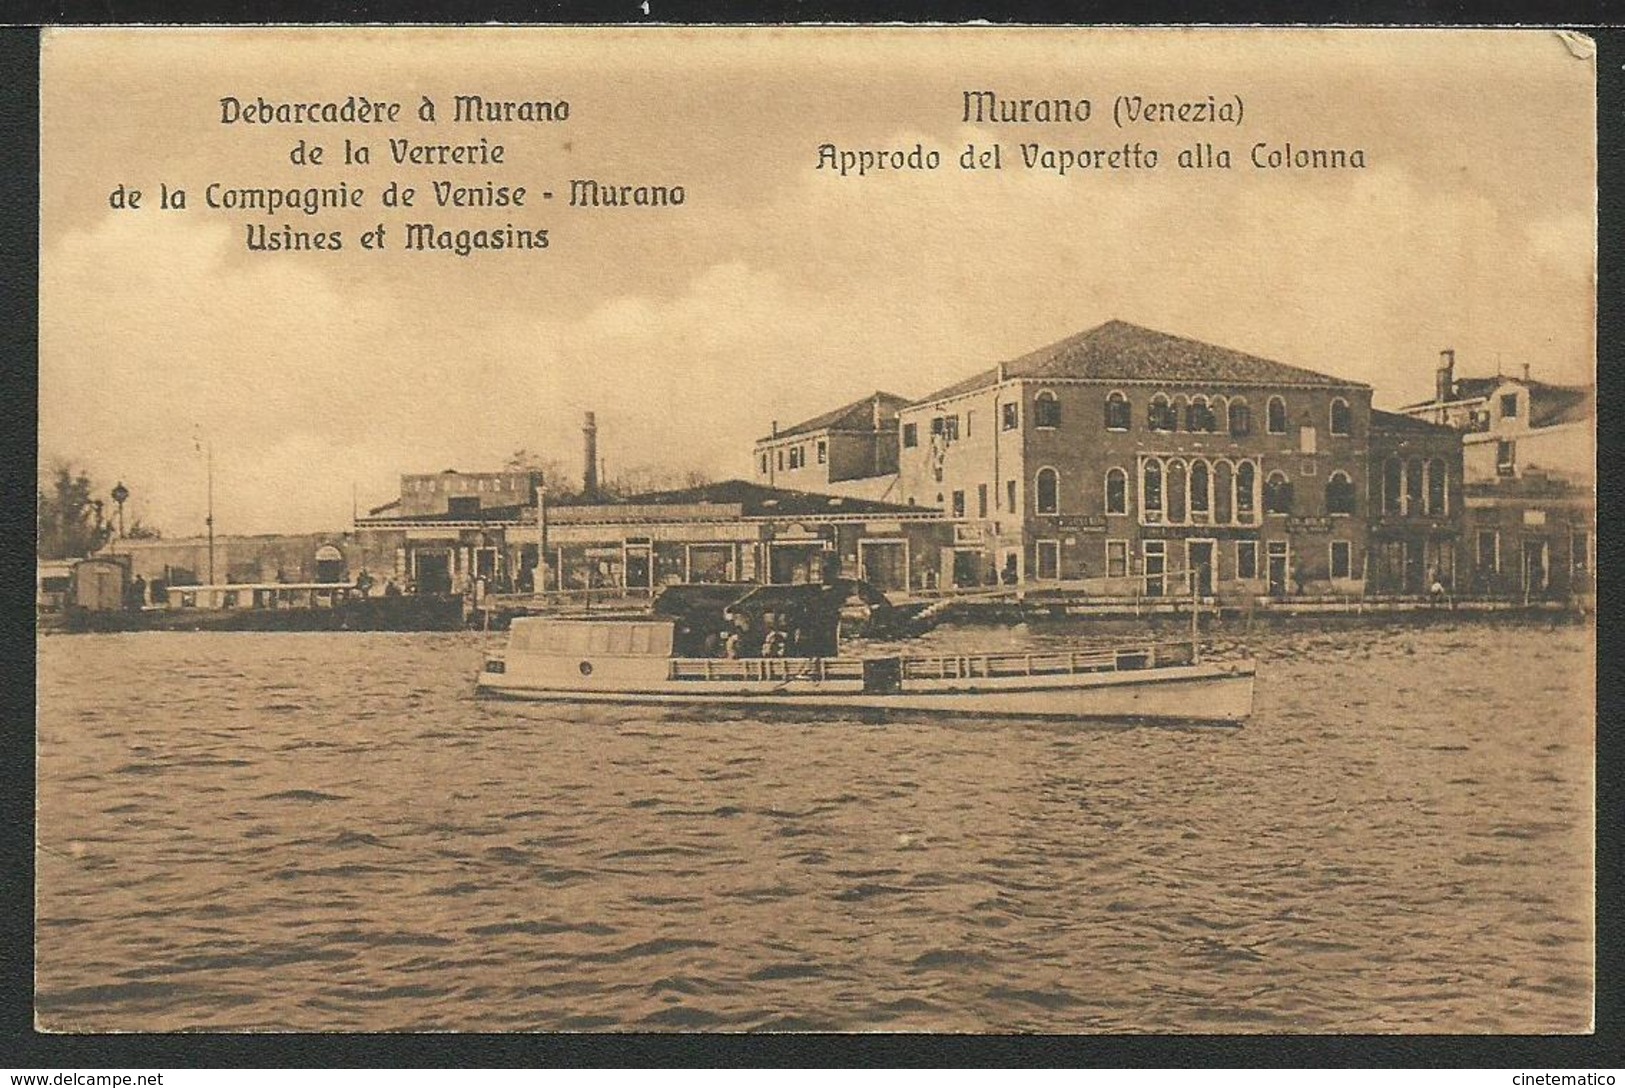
(1529, 481)
(1416, 504)
(1133, 461)
(734, 531)
(849, 451)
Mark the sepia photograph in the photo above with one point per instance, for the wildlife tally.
(816, 529)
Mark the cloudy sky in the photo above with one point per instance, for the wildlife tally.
(777, 290)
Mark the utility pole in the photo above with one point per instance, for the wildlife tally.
(209, 520)
(538, 583)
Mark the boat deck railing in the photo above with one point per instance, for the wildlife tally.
(767, 668)
(1051, 663)
(937, 666)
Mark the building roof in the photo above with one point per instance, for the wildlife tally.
(1393, 421)
(757, 501)
(390, 512)
(1120, 351)
(750, 500)
(857, 416)
(1550, 405)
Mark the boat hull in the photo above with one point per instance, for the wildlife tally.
(1218, 693)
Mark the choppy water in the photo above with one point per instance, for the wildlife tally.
(312, 832)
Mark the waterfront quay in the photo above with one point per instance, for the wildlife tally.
(1117, 472)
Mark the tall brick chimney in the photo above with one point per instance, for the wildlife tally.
(1444, 379)
(589, 457)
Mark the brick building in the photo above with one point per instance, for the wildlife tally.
(1416, 504)
(1126, 457)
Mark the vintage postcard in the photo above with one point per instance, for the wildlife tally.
(816, 529)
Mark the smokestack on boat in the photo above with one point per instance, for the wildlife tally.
(589, 457)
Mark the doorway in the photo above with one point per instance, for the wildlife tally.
(639, 567)
(967, 567)
(1278, 568)
(431, 570)
(1415, 567)
(1049, 560)
(1534, 567)
(1156, 565)
(1199, 558)
(795, 564)
(330, 564)
(884, 564)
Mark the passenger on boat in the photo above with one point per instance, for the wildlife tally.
(730, 645)
(773, 644)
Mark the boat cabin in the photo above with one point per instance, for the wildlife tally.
(593, 638)
(764, 621)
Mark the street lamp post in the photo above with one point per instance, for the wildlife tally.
(120, 493)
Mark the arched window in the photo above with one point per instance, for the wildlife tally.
(1277, 416)
(1339, 494)
(1162, 416)
(1438, 488)
(1241, 418)
(1414, 489)
(1201, 503)
(1277, 494)
(1151, 486)
(1246, 485)
(1393, 485)
(1116, 491)
(1176, 491)
(1199, 417)
(1117, 412)
(1224, 493)
(1342, 421)
(1046, 410)
(1047, 486)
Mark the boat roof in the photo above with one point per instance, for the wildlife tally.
(749, 598)
(580, 636)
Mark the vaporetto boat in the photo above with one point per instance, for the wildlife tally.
(642, 661)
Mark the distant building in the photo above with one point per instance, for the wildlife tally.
(1126, 457)
(1529, 467)
(851, 450)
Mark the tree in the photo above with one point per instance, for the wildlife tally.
(70, 522)
(642, 479)
(555, 477)
(140, 531)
